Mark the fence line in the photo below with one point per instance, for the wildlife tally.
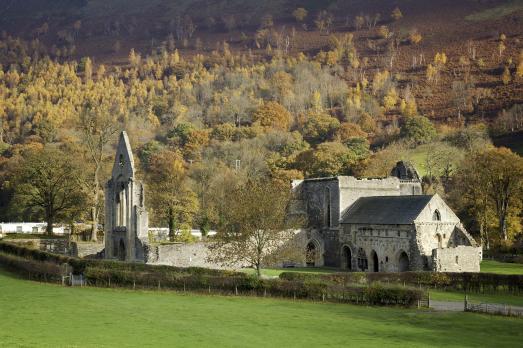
(495, 309)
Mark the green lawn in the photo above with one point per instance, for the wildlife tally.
(274, 272)
(34, 314)
(485, 298)
(489, 266)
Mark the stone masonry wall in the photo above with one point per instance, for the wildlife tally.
(84, 249)
(183, 255)
(56, 246)
(458, 259)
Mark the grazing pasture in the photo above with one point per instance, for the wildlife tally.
(45, 315)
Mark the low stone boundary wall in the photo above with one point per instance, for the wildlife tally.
(86, 249)
(184, 255)
(52, 245)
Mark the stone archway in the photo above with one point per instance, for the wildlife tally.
(375, 261)
(403, 262)
(121, 250)
(347, 258)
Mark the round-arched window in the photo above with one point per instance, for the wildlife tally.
(436, 216)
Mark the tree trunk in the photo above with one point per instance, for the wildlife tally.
(94, 225)
(502, 215)
(503, 226)
(258, 270)
(94, 208)
(172, 224)
(50, 222)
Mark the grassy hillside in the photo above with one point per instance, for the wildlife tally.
(52, 316)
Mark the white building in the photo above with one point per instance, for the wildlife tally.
(29, 228)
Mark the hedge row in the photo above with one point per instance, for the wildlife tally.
(471, 282)
(36, 270)
(49, 267)
(375, 294)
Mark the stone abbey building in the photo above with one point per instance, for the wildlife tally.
(374, 225)
(383, 225)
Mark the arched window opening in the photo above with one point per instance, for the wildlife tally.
(375, 262)
(403, 262)
(121, 251)
(310, 255)
(436, 216)
(347, 257)
(363, 263)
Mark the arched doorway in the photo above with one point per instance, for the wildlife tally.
(347, 258)
(403, 262)
(121, 250)
(363, 263)
(375, 262)
(311, 254)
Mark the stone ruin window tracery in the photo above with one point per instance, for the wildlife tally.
(436, 216)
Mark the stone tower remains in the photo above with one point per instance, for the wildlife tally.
(126, 219)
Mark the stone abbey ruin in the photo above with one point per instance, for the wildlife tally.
(368, 224)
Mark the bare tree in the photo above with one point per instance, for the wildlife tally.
(98, 128)
(257, 229)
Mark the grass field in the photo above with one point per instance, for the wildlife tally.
(484, 298)
(487, 266)
(44, 315)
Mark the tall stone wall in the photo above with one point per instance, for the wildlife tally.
(458, 259)
(184, 255)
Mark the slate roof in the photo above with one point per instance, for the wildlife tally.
(386, 210)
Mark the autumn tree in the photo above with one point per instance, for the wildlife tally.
(327, 159)
(300, 14)
(415, 37)
(502, 172)
(319, 127)
(506, 76)
(257, 228)
(272, 114)
(396, 14)
(418, 129)
(49, 183)
(97, 127)
(174, 201)
(324, 22)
